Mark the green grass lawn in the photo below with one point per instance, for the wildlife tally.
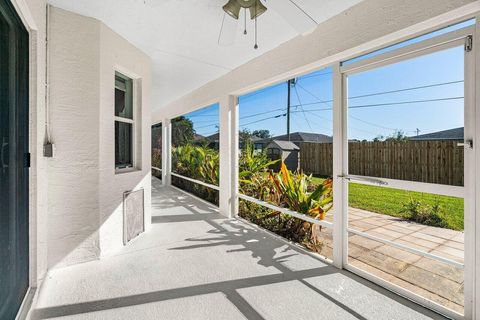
(391, 202)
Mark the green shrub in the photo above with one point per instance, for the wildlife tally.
(426, 214)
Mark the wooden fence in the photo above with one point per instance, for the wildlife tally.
(423, 161)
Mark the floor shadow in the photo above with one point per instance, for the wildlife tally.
(241, 237)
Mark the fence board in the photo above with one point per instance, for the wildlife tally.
(433, 161)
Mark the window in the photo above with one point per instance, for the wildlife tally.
(405, 43)
(124, 122)
(273, 151)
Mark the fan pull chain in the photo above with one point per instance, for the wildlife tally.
(245, 20)
(256, 43)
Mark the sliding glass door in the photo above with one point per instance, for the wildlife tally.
(408, 127)
(14, 162)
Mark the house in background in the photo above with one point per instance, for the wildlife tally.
(299, 137)
(450, 134)
(286, 151)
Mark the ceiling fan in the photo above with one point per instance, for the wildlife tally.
(298, 18)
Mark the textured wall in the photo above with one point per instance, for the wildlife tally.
(367, 21)
(73, 180)
(84, 193)
(117, 53)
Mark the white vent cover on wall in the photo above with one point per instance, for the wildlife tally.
(133, 215)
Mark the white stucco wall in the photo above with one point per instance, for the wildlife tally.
(116, 54)
(332, 40)
(73, 179)
(84, 193)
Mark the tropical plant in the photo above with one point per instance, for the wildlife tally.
(252, 162)
(197, 162)
(253, 175)
(292, 191)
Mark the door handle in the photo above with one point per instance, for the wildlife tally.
(2, 152)
(467, 144)
(366, 179)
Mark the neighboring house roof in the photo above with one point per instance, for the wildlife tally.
(451, 134)
(283, 145)
(213, 137)
(198, 137)
(302, 137)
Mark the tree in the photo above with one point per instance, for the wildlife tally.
(157, 136)
(398, 135)
(263, 133)
(182, 131)
(244, 135)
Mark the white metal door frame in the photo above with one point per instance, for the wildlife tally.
(446, 41)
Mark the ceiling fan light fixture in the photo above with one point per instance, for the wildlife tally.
(246, 3)
(232, 8)
(257, 9)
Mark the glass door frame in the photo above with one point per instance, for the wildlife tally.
(439, 43)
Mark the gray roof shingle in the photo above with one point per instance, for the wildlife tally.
(451, 134)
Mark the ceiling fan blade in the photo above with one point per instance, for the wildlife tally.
(228, 31)
(299, 19)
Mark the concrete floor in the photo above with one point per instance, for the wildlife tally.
(194, 264)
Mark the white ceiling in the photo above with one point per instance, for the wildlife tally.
(181, 36)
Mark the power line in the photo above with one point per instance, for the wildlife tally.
(378, 93)
(406, 89)
(318, 99)
(389, 103)
(277, 116)
(303, 111)
(404, 102)
(314, 75)
(329, 101)
(329, 120)
(261, 113)
(208, 126)
(370, 123)
(361, 106)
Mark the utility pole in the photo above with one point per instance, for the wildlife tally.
(418, 131)
(290, 83)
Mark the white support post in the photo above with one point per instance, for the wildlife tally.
(227, 109)
(472, 238)
(166, 152)
(234, 154)
(339, 207)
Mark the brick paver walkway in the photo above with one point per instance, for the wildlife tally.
(437, 281)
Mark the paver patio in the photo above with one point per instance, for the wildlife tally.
(426, 277)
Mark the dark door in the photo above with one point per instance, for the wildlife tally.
(14, 161)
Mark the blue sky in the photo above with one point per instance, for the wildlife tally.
(442, 72)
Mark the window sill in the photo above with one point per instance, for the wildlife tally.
(127, 170)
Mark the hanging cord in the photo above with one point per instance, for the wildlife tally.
(47, 138)
(256, 43)
(245, 20)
